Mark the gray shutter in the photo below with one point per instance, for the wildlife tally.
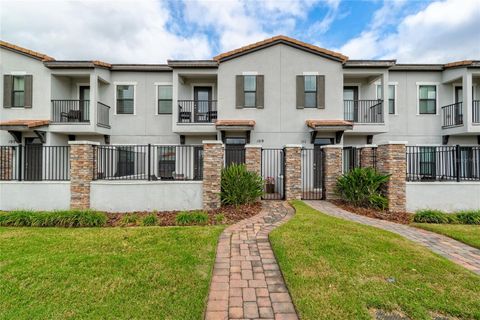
(239, 93)
(7, 90)
(300, 92)
(28, 91)
(321, 92)
(260, 95)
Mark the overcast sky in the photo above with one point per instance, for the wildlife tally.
(152, 31)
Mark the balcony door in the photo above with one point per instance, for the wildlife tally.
(350, 100)
(202, 104)
(84, 97)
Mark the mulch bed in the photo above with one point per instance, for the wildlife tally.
(231, 214)
(398, 217)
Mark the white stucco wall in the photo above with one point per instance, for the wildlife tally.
(38, 195)
(127, 196)
(447, 196)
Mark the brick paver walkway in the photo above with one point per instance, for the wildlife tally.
(247, 282)
(453, 250)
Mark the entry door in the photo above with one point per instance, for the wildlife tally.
(202, 105)
(33, 159)
(234, 150)
(198, 163)
(350, 100)
(84, 96)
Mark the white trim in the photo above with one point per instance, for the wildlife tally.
(395, 84)
(18, 73)
(123, 83)
(156, 85)
(437, 97)
(310, 73)
(249, 73)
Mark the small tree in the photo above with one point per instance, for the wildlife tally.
(240, 186)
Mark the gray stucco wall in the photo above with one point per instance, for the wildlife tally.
(40, 195)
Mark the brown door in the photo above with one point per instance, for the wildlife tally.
(350, 100)
(33, 159)
(202, 104)
(84, 96)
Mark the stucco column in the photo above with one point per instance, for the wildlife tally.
(213, 158)
(6, 162)
(368, 156)
(81, 173)
(391, 159)
(332, 170)
(253, 158)
(293, 173)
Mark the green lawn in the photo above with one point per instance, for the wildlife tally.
(106, 273)
(469, 234)
(336, 269)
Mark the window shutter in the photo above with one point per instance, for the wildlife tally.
(321, 92)
(7, 90)
(300, 92)
(260, 89)
(239, 95)
(28, 91)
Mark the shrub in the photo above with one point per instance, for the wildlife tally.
(129, 219)
(362, 187)
(468, 217)
(60, 218)
(240, 186)
(219, 218)
(150, 220)
(430, 216)
(193, 217)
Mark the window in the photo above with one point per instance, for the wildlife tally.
(18, 93)
(165, 99)
(250, 90)
(427, 162)
(310, 91)
(391, 97)
(125, 99)
(427, 103)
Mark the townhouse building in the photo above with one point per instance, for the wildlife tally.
(274, 92)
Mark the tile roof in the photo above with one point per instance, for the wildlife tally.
(233, 123)
(328, 123)
(31, 53)
(458, 63)
(27, 123)
(280, 39)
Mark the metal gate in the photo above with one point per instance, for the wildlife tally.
(273, 170)
(312, 173)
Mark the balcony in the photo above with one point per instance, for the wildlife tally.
(363, 111)
(476, 111)
(197, 111)
(71, 111)
(452, 115)
(103, 115)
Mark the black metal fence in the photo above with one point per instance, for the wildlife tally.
(443, 163)
(312, 173)
(71, 110)
(197, 111)
(35, 162)
(148, 162)
(103, 115)
(452, 115)
(234, 154)
(363, 111)
(273, 173)
(354, 157)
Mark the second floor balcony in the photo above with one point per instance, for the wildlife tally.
(364, 111)
(197, 111)
(452, 114)
(70, 111)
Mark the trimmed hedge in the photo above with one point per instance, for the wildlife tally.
(60, 218)
(438, 216)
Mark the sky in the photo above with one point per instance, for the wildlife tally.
(152, 31)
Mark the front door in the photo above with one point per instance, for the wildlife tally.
(33, 159)
(202, 104)
(350, 100)
(84, 97)
(198, 163)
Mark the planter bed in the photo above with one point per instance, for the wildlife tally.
(398, 217)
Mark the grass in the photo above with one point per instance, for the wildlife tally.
(106, 273)
(336, 269)
(468, 234)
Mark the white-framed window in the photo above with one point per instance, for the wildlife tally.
(125, 98)
(310, 91)
(392, 97)
(164, 96)
(427, 98)
(18, 91)
(250, 90)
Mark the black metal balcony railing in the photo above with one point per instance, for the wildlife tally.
(103, 115)
(197, 111)
(363, 111)
(71, 110)
(476, 111)
(452, 115)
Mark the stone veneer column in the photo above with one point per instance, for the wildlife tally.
(213, 158)
(367, 156)
(293, 172)
(81, 173)
(332, 169)
(6, 163)
(253, 158)
(391, 159)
